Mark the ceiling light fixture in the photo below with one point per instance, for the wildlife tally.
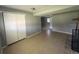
(33, 10)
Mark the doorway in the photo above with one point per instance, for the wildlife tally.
(46, 23)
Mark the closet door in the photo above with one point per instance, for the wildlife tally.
(10, 26)
(21, 26)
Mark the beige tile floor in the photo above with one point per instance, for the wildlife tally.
(46, 42)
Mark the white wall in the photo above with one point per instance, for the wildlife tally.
(33, 24)
(63, 22)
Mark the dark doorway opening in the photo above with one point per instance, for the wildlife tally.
(45, 23)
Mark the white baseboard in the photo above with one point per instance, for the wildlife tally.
(33, 34)
(62, 32)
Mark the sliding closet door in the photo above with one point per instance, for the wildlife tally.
(21, 26)
(10, 26)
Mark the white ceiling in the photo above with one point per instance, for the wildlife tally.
(40, 9)
(28, 7)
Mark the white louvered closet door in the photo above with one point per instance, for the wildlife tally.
(15, 26)
(10, 27)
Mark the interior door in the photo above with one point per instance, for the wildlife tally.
(10, 26)
(21, 26)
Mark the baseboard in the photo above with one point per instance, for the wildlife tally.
(63, 32)
(15, 42)
(33, 34)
